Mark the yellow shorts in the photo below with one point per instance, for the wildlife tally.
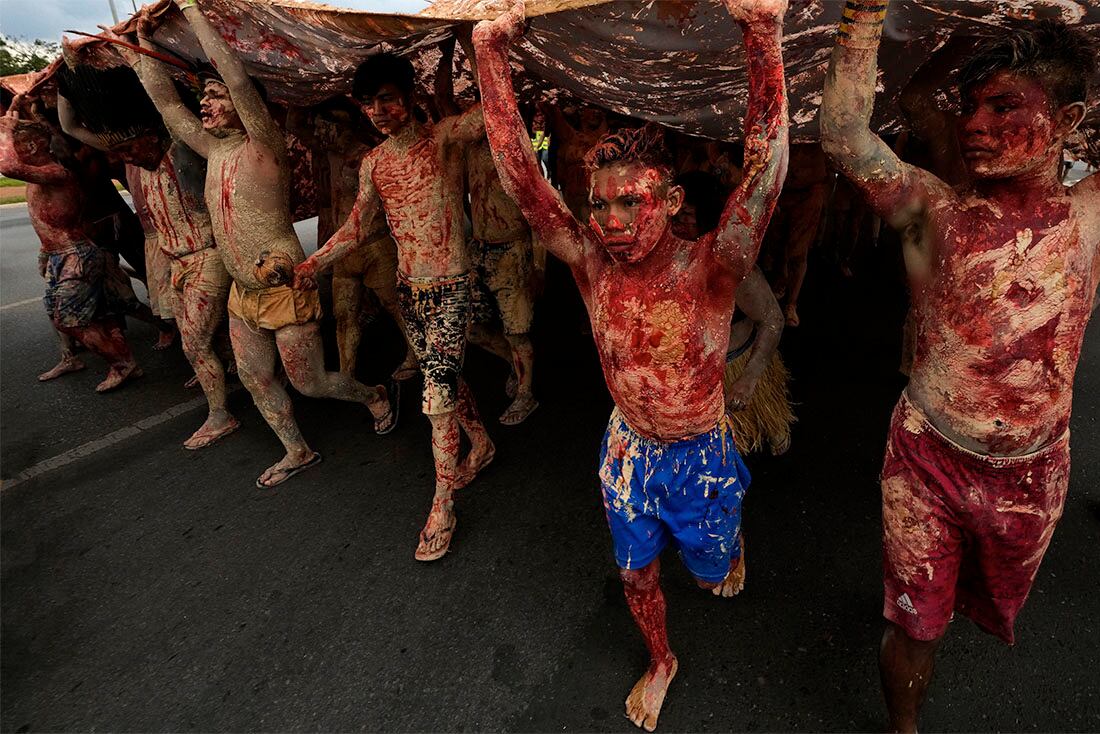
(373, 264)
(274, 308)
(158, 275)
(203, 271)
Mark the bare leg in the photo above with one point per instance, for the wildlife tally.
(199, 318)
(106, 339)
(491, 340)
(409, 367)
(256, 367)
(735, 577)
(647, 606)
(436, 536)
(304, 360)
(905, 666)
(167, 329)
(523, 367)
(482, 449)
(347, 299)
(69, 361)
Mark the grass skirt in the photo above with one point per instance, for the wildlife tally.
(768, 417)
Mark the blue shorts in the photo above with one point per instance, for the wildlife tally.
(689, 490)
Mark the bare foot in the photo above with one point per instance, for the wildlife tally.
(643, 705)
(781, 446)
(478, 458)
(407, 369)
(214, 428)
(791, 311)
(523, 406)
(116, 376)
(290, 465)
(735, 579)
(435, 538)
(64, 367)
(166, 339)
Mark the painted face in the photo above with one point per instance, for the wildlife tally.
(1006, 127)
(217, 109)
(145, 151)
(632, 207)
(388, 109)
(32, 143)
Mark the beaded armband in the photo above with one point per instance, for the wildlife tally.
(861, 25)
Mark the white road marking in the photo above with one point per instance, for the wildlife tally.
(115, 437)
(17, 304)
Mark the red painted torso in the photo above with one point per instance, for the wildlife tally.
(57, 214)
(662, 331)
(175, 202)
(421, 188)
(495, 217)
(1001, 322)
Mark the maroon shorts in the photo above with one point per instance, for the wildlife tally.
(962, 531)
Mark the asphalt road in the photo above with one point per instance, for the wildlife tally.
(150, 588)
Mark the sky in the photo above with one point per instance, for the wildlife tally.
(47, 19)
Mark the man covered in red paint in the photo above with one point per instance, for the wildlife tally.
(1003, 272)
(416, 177)
(660, 310)
(247, 197)
(169, 184)
(87, 294)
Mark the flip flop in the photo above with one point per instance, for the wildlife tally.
(464, 480)
(393, 394)
(288, 473)
(214, 438)
(449, 531)
(405, 373)
(522, 414)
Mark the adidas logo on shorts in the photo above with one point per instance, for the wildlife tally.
(906, 603)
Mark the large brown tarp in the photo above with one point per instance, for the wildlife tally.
(678, 62)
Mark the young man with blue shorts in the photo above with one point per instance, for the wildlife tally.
(660, 309)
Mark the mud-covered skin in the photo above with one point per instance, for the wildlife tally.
(173, 195)
(1003, 271)
(660, 307)
(495, 217)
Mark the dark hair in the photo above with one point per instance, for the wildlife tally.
(207, 73)
(383, 69)
(645, 144)
(1061, 58)
(705, 192)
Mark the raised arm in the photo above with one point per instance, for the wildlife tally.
(896, 191)
(516, 164)
(13, 167)
(749, 208)
(444, 91)
(66, 115)
(468, 126)
(352, 233)
(256, 118)
(755, 299)
(180, 121)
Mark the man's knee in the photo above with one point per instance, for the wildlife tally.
(640, 579)
(897, 638)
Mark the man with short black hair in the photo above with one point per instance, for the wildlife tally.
(1003, 272)
(416, 177)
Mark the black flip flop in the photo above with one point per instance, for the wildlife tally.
(393, 392)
